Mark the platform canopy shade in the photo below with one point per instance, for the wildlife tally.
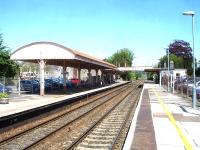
(56, 54)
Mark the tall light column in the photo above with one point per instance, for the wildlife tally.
(168, 69)
(194, 100)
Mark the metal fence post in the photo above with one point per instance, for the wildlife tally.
(4, 83)
(173, 84)
(19, 85)
(181, 88)
(187, 95)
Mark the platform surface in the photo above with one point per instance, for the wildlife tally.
(176, 125)
(30, 101)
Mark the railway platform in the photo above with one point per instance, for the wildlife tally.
(27, 102)
(164, 121)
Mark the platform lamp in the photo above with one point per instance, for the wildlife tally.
(194, 101)
(168, 69)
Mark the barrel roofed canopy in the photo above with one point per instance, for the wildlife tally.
(56, 54)
(50, 53)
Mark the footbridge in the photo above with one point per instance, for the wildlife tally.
(135, 68)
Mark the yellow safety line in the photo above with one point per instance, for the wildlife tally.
(186, 143)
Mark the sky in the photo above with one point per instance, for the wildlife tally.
(101, 27)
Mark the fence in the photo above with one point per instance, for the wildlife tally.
(9, 83)
(183, 87)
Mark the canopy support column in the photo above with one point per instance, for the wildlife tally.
(89, 76)
(110, 77)
(64, 76)
(102, 77)
(79, 74)
(96, 76)
(42, 65)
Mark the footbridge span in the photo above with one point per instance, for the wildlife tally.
(135, 68)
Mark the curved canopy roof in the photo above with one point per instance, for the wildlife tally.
(56, 54)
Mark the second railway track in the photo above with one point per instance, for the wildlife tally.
(105, 133)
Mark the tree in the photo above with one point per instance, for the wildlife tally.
(122, 58)
(180, 53)
(8, 68)
(128, 76)
(28, 67)
(198, 68)
(178, 61)
(182, 49)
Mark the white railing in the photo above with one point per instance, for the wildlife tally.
(135, 68)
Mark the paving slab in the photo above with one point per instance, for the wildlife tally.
(175, 123)
(182, 129)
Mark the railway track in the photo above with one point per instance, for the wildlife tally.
(105, 133)
(30, 124)
(21, 139)
(66, 129)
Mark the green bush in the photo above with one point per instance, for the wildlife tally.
(129, 76)
(3, 95)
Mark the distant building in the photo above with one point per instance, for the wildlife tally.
(176, 73)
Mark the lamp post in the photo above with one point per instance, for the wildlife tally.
(168, 73)
(172, 75)
(192, 13)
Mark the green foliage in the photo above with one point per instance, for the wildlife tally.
(153, 77)
(3, 95)
(180, 54)
(8, 68)
(180, 48)
(137, 75)
(26, 66)
(189, 71)
(150, 75)
(178, 61)
(198, 71)
(122, 58)
(129, 76)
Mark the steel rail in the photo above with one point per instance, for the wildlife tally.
(127, 118)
